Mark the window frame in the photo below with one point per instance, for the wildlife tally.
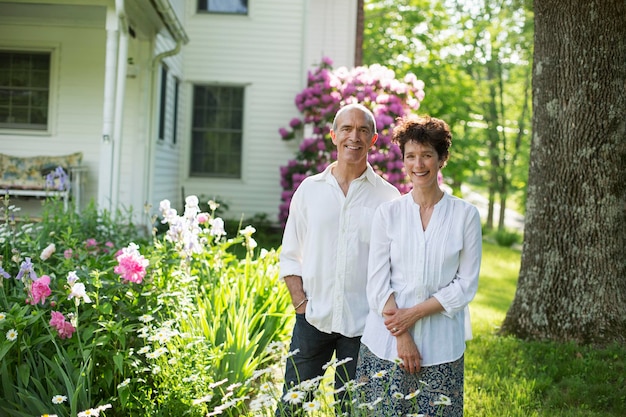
(162, 129)
(217, 172)
(203, 6)
(175, 110)
(52, 51)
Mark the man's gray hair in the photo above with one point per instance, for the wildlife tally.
(352, 106)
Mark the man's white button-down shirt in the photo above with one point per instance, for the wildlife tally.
(326, 242)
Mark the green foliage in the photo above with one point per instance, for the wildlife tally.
(475, 59)
(134, 333)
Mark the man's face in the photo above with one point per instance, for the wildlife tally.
(353, 137)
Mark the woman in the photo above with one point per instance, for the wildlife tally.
(424, 260)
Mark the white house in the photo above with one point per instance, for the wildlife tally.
(165, 98)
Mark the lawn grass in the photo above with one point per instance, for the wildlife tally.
(507, 377)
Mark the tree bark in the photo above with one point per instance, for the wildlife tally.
(572, 282)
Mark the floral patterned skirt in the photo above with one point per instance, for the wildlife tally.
(385, 389)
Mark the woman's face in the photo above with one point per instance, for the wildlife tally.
(421, 164)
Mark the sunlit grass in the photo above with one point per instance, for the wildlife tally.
(507, 377)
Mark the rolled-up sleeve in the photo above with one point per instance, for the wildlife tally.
(462, 289)
(291, 250)
(378, 283)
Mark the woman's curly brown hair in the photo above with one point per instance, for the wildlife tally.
(424, 130)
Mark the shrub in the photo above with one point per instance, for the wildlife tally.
(507, 238)
(327, 90)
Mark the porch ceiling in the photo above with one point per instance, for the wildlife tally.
(143, 16)
(88, 15)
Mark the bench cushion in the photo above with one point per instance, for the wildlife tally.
(29, 173)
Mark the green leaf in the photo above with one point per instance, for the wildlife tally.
(23, 372)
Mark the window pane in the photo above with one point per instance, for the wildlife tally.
(224, 6)
(24, 89)
(217, 131)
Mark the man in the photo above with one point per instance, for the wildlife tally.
(324, 255)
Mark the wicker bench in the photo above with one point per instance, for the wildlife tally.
(42, 176)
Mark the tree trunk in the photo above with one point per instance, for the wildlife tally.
(572, 282)
(360, 19)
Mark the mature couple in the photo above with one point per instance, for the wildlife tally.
(381, 278)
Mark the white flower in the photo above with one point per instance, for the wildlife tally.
(143, 350)
(12, 335)
(292, 353)
(204, 399)
(123, 383)
(217, 227)
(59, 399)
(155, 354)
(380, 374)
(397, 395)
(412, 395)
(218, 383)
(72, 278)
(213, 205)
(311, 406)
(248, 231)
(47, 252)
(234, 386)
(78, 291)
(265, 387)
(334, 362)
(3, 316)
(146, 318)
(261, 402)
(443, 400)
(294, 397)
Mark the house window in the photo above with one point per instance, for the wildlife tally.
(217, 131)
(175, 117)
(24, 90)
(223, 6)
(163, 102)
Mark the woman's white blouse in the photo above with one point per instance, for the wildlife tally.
(413, 264)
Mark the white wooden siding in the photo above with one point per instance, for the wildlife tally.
(165, 177)
(269, 51)
(76, 97)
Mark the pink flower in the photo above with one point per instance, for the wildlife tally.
(131, 264)
(68, 253)
(64, 328)
(57, 319)
(39, 290)
(90, 243)
(203, 218)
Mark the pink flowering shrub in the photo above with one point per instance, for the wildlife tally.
(327, 90)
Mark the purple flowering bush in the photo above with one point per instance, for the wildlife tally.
(327, 90)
